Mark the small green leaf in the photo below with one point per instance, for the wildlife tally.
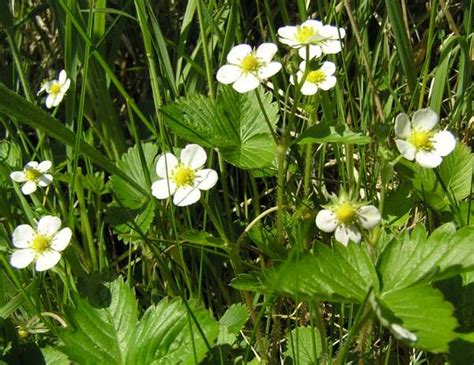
(323, 133)
(422, 311)
(409, 260)
(141, 173)
(337, 274)
(131, 224)
(52, 356)
(234, 123)
(231, 323)
(303, 346)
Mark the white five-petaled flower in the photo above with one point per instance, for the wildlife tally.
(183, 178)
(248, 67)
(55, 89)
(312, 38)
(43, 245)
(33, 175)
(345, 217)
(321, 78)
(416, 139)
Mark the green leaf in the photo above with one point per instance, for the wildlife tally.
(102, 335)
(167, 334)
(131, 224)
(323, 133)
(52, 356)
(303, 346)
(108, 331)
(234, 123)
(409, 260)
(422, 311)
(337, 274)
(141, 172)
(455, 172)
(231, 323)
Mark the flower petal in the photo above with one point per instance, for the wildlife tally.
(47, 260)
(266, 51)
(22, 258)
(331, 47)
(328, 68)
(406, 149)
(369, 216)
(228, 74)
(28, 188)
(424, 119)
(193, 156)
(61, 239)
(237, 53)
(45, 180)
(48, 225)
(326, 220)
(328, 83)
(18, 176)
(163, 189)
(206, 179)
(49, 101)
(344, 234)
(32, 165)
(266, 71)
(186, 196)
(428, 159)
(444, 143)
(44, 166)
(309, 88)
(314, 51)
(245, 83)
(288, 35)
(331, 32)
(402, 126)
(23, 235)
(62, 77)
(165, 165)
(65, 86)
(58, 99)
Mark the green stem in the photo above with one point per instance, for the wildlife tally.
(207, 59)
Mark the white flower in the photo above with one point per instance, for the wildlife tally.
(55, 89)
(417, 141)
(312, 38)
(344, 217)
(43, 245)
(183, 178)
(33, 175)
(247, 67)
(316, 79)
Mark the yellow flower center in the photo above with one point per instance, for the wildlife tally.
(316, 76)
(55, 88)
(40, 243)
(183, 175)
(303, 33)
(346, 213)
(249, 63)
(32, 174)
(421, 140)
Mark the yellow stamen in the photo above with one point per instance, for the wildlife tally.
(346, 213)
(249, 63)
(183, 175)
(40, 243)
(421, 140)
(316, 77)
(55, 88)
(303, 33)
(32, 174)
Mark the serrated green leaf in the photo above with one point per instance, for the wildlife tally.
(234, 123)
(422, 311)
(323, 133)
(231, 323)
(303, 346)
(131, 164)
(337, 274)
(410, 260)
(102, 335)
(167, 334)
